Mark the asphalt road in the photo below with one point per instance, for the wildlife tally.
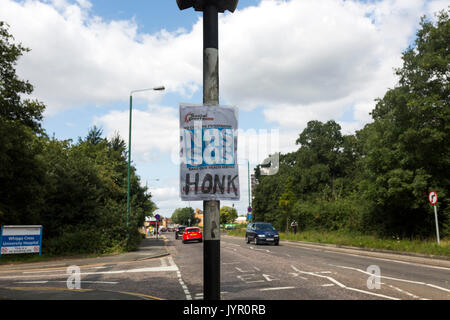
(263, 272)
(289, 272)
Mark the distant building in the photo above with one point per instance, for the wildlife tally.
(199, 216)
(166, 222)
(241, 220)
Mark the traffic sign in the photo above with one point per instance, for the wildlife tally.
(433, 198)
(157, 216)
(249, 209)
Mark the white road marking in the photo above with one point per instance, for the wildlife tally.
(180, 279)
(140, 270)
(171, 267)
(244, 271)
(269, 278)
(43, 282)
(46, 271)
(369, 257)
(395, 279)
(405, 292)
(247, 277)
(344, 286)
(279, 288)
(297, 275)
(328, 285)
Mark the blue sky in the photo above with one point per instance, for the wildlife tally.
(282, 63)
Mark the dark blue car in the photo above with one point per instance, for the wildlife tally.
(261, 232)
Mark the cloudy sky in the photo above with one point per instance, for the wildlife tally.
(282, 63)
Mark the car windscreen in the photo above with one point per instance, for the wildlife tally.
(193, 230)
(265, 227)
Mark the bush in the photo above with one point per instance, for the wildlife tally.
(329, 215)
(92, 241)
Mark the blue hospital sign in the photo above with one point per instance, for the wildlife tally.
(208, 149)
(20, 239)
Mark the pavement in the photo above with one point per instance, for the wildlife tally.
(150, 248)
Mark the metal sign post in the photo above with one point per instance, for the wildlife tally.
(211, 208)
(433, 199)
(157, 217)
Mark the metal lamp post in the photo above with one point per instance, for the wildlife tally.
(129, 143)
(249, 187)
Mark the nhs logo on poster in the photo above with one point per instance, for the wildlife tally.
(208, 149)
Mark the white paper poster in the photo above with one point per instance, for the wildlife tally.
(208, 149)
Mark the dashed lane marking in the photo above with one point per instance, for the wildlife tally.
(180, 280)
(279, 288)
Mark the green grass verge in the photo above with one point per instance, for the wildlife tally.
(344, 238)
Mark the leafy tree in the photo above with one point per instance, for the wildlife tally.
(182, 216)
(22, 172)
(406, 147)
(78, 192)
(13, 108)
(286, 203)
(228, 214)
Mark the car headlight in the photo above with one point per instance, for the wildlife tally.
(262, 235)
(276, 236)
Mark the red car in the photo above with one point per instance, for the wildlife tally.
(192, 234)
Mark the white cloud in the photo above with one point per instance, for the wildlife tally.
(79, 59)
(306, 60)
(297, 60)
(153, 130)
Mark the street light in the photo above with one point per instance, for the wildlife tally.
(160, 88)
(249, 189)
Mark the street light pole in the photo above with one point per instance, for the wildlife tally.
(249, 189)
(129, 144)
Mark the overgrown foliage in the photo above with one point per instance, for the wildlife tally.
(228, 214)
(77, 191)
(377, 180)
(184, 216)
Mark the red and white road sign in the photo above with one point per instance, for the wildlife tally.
(433, 198)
